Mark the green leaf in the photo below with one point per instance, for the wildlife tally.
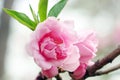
(42, 9)
(57, 8)
(34, 15)
(22, 18)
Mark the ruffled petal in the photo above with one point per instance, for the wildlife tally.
(86, 53)
(40, 60)
(72, 61)
(79, 72)
(53, 71)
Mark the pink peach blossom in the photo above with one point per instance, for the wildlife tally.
(87, 46)
(55, 44)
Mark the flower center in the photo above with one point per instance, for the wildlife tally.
(52, 47)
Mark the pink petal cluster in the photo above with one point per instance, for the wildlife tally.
(55, 44)
(87, 47)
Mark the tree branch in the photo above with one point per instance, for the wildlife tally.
(91, 71)
(41, 77)
(108, 70)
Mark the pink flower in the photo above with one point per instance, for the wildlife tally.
(55, 44)
(87, 47)
(52, 46)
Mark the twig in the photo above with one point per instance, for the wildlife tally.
(58, 77)
(60, 70)
(108, 70)
(100, 63)
(41, 77)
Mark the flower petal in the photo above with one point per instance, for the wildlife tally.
(72, 61)
(79, 72)
(40, 60)
(53, 71)
(40, 31)
(86, 53)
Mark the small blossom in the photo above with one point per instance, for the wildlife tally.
(87, 46)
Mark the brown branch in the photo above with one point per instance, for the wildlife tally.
(100, 63)
(41, 77)
(108, 70)
(58, 77)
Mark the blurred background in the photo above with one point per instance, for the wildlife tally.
(103, 16)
